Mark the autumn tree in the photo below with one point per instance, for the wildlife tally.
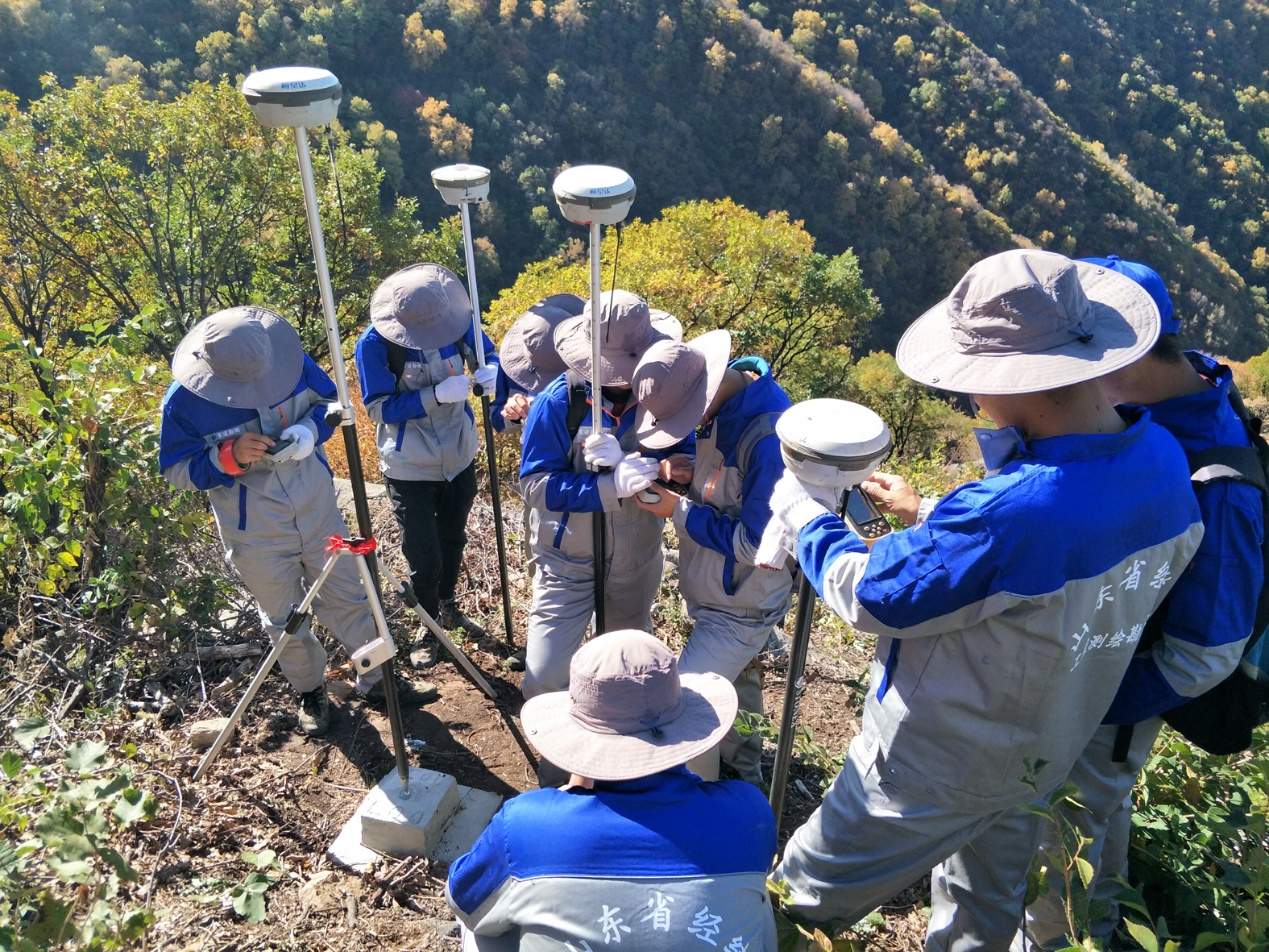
(450, 138)
(424, 46)
(718, 265)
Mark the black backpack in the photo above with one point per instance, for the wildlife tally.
(1221, 720)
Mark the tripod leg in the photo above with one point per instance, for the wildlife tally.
(293, 622)
(407, 595)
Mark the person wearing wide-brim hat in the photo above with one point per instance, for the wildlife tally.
(416, 364)
(568, 475)
(1192, 673)
(528, 360)
(244, 421)
(1006, 619)
(635, 848)
(733, 406)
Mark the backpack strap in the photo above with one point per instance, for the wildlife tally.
(578, 404)
(758, 429)
(468, 355)
(396, 359)
(1237, 463)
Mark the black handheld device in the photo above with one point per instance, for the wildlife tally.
(863, 516)
(278, 446)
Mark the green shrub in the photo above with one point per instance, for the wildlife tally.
(63, 875)
(85, 515)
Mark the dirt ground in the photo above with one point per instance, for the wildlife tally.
(272, 788)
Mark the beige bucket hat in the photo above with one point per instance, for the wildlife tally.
(628, 712)
(675, 384)
(628, 328)
(527, 352)
(423, 306)
(240, 357)
(1022, 321)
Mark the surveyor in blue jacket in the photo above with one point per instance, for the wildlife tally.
(244, 421)
(1006, 619)
(635, 852)
(563, 494)
(734, 605)
(528, 360)
(1194, 641)
(416, 364)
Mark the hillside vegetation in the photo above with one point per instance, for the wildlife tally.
(811, 175)
(921, 136)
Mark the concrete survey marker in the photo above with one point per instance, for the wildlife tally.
(439, 819)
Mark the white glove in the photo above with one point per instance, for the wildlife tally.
(301, 446)
(602, 449)
(633, 473)
(793, 505)
(453, 389)
(485, 378)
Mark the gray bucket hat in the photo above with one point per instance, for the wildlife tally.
(628, 326)
(1023, 321)
(423, 307)
(240, 357)
(628, 712)
(675, 384)
(527, 352)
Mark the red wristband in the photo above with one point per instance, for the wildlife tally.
(227, 459)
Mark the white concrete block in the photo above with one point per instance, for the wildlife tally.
(398, 824)
(475, 809)
(466, 813)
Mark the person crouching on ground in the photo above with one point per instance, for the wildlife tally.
(734, 605)
(635, 849)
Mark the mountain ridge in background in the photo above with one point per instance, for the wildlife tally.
(922, 136)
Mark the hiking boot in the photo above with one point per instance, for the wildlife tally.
(423, 653)
(452, 618)
(408, 693)
(314, 711)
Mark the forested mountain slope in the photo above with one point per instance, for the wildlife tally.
(920, 135)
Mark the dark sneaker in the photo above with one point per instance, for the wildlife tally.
(423, 653)
(452, 618)
(409, 693)
(314, 712)
(516, 661)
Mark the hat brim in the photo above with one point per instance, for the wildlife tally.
(533, 372)
(709, 711)
(661, 433)
(1126, 326)
(572, 343)
(196, 374)
(452, 326)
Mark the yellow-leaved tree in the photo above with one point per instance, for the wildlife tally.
(716, 264)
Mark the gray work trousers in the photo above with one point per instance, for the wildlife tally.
(1105, 790)
(278, 575)
(726, 644)
(869, 840)
(563, 605)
